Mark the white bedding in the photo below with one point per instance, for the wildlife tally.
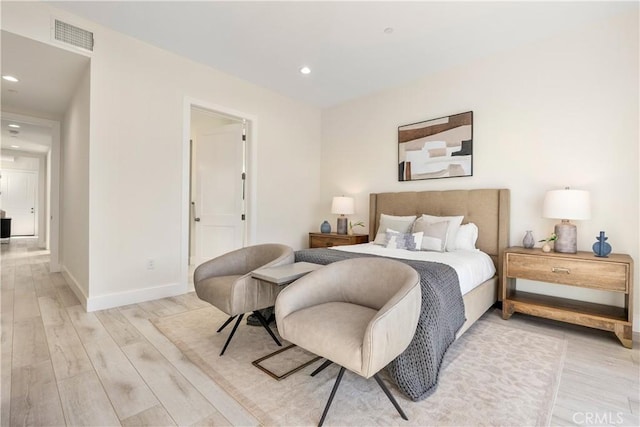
(473, 267)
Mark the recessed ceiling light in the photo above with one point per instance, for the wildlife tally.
(15, 146)
(305, 70)
(10, 78)
(388, 30)
(15, 126)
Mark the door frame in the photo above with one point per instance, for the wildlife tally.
(52, 208)
(251, 182)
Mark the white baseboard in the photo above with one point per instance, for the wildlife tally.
(102, 302)
(117, 299)
(74, 285)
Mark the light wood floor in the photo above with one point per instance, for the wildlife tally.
(61, 365)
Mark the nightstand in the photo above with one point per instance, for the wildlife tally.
(583, 270)
(326, 240)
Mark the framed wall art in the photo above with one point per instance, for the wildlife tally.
(437, 148)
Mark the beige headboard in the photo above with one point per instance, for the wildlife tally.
(487, 208)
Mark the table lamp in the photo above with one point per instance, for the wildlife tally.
(342, 206)
(566, 205)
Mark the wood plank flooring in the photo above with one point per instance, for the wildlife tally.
(63, 366)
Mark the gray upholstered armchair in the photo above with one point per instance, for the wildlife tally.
(226, 283)
(359, 313)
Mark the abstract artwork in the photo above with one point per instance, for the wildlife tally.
(438, 148)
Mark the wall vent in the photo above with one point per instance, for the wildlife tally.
(73, 35)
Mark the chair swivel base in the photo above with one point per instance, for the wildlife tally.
(260, 317)
(337, 383)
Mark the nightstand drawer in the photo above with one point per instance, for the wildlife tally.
(610, 276)
(326, 240)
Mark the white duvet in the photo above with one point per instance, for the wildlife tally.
(473, 267)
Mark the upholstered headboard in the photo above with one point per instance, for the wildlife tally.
(487, 208)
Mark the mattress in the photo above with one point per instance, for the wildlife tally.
(473, 267)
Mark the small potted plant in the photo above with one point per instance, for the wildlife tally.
(354, 224)
(546, 247)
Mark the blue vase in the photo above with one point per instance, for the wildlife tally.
(528, 241)
(601, 248)
(325, 227)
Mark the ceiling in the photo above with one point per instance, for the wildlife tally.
(29, 137)
(344, 43)
(48, 76)
(45, 95)
(353, 48)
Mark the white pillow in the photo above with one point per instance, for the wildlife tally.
(467, 237)
(435, 234)
(408, 241)
(452, 231)
(401, 224)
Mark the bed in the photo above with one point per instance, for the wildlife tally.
(416, 371)
(489, 209)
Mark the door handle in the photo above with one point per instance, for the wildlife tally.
(193, 212)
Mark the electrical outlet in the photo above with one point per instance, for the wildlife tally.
(151, 264)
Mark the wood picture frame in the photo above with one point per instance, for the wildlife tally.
(436, 148)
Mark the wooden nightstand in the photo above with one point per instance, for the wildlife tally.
(326, 240)
(584, 270)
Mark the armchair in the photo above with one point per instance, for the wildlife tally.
(359, 313)
(226, 283)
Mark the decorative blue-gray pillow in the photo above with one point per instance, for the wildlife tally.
(408, 241)
(401, 224)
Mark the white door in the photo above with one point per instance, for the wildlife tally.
(218, 196)
(18, 199)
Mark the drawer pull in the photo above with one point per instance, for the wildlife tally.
(560, 270)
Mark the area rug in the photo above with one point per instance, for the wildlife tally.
(495, 374)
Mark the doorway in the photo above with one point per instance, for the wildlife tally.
(243, 186)
(219, 185)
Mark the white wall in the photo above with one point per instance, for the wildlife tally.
(560, 112)
(135, 173)
(74, 190)
(136, 163)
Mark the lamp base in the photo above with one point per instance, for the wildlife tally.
(567, 241)
(342, 225)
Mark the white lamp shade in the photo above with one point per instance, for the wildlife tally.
(567, 204)
(342, 205)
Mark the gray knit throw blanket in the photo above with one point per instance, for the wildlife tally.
(416, 370)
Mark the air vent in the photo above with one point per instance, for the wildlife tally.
(73, 35)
